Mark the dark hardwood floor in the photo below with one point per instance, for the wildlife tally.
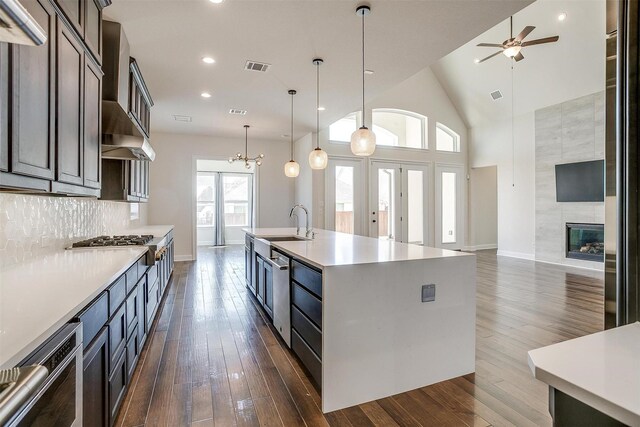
(212, 359)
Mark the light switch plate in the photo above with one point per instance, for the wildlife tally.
(428, 292)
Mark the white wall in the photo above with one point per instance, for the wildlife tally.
(483, 208)
(491, 146)
(171, 183)
(303, 184)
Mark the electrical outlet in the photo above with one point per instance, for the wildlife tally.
(428, 292)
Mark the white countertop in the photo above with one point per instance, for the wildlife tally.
(601, 370)
(330, 248)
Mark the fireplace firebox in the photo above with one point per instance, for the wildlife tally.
(585, 241)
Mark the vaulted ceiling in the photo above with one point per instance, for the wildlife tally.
(169, 37)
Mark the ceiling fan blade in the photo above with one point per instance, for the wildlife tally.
(490, 56)
(541, 41)
(524, 33)
(489, 45)
(519, 57)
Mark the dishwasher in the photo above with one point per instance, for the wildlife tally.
(281, 299)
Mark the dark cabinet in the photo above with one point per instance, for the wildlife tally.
(125, 180)
(117, 335)
(268, 288)
(69, 112)
(92, 123)
(248, 267)
(4, 107)
(93, 28)
(74, 12)
(95, 398)
(142, 331)
(117, 386)
(140, 101)
(32, 140)
(259, 278)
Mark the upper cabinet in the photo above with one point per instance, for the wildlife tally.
(53, 97)
(140, 101)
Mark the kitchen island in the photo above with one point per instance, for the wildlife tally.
(370, 318)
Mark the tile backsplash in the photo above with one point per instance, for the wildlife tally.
(32, 226)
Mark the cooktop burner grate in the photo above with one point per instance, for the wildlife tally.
(100, 241)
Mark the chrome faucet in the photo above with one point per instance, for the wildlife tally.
(309, 231)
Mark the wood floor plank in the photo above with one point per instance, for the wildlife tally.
(214, 359)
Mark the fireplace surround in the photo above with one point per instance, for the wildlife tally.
(585, 241)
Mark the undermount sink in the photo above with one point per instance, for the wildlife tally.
(284, 238)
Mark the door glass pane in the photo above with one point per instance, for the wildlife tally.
(206, 197)
(386, 208)
(448, 207)
(415, 207)
(237, 191)
(344, 199)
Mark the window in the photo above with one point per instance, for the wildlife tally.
(206, 199)
(398, 128)
(237, 194)
(341, 130)
(446, 139)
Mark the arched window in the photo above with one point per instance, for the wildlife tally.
(341, 130)
(446, 139)
(399, 128)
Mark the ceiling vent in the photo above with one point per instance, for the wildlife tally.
(496, 94)
(237, 111)
(256, 66)
(179, 118)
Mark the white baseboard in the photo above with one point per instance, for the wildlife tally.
(480, 247)
(582, 267)
(184, 258)
(520, 255)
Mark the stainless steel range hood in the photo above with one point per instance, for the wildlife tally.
(18, 26)
(121, 137)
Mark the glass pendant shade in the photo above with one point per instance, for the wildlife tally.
(363, 142)
(292, 169)
(512, 51)
(318, 159)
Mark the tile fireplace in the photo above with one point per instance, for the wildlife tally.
(585, 241)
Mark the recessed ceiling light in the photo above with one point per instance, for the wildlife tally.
(208, 60)
(205, 95)
(216, 1)
(181, 118)
(321, 108)
(477, 61)
(562, 16)
(368, 72)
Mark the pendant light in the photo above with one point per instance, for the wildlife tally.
(363, 140)
(246, 159)
(318, 157)
(292, 168)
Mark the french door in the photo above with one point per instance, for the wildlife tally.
(449, 206)
(344, 196)
(399, 202)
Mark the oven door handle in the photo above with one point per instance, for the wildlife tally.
(21, 391)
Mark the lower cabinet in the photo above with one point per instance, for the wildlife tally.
(95, 397)
(268, 288)
(117, 386)
(259, 272)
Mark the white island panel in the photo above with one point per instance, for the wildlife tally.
(380, 339)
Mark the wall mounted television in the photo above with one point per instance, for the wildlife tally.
(580, 182)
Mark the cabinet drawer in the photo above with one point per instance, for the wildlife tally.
(152, 304)
(308, 358)
(307, 277)
(307, 330)
(142, 267)
(117, 294)
(117, 386)
(152, 274)
(133, 351)
(132, 277)
(132, 312)
(307, 303)
(117, 335)
(94, 318)
(95, 381)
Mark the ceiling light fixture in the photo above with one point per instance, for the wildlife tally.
(216, 1)
(292, 168)
(477, 61)
(562, 16)
(205, 95)
(246, 159)
(369, 72)
(318, 158)
(512, 51)
(208, 60)
(363, 140)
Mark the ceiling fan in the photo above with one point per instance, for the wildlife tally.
(512, 47)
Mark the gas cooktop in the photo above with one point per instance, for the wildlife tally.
(101, 241)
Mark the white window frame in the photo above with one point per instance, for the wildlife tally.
(424, 122)
(358, 124)
(450, 132)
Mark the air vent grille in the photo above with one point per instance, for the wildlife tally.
(256, 66)
(237, 111)
(179, 118)
(496, 94)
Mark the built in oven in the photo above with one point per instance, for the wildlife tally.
(47, 388)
